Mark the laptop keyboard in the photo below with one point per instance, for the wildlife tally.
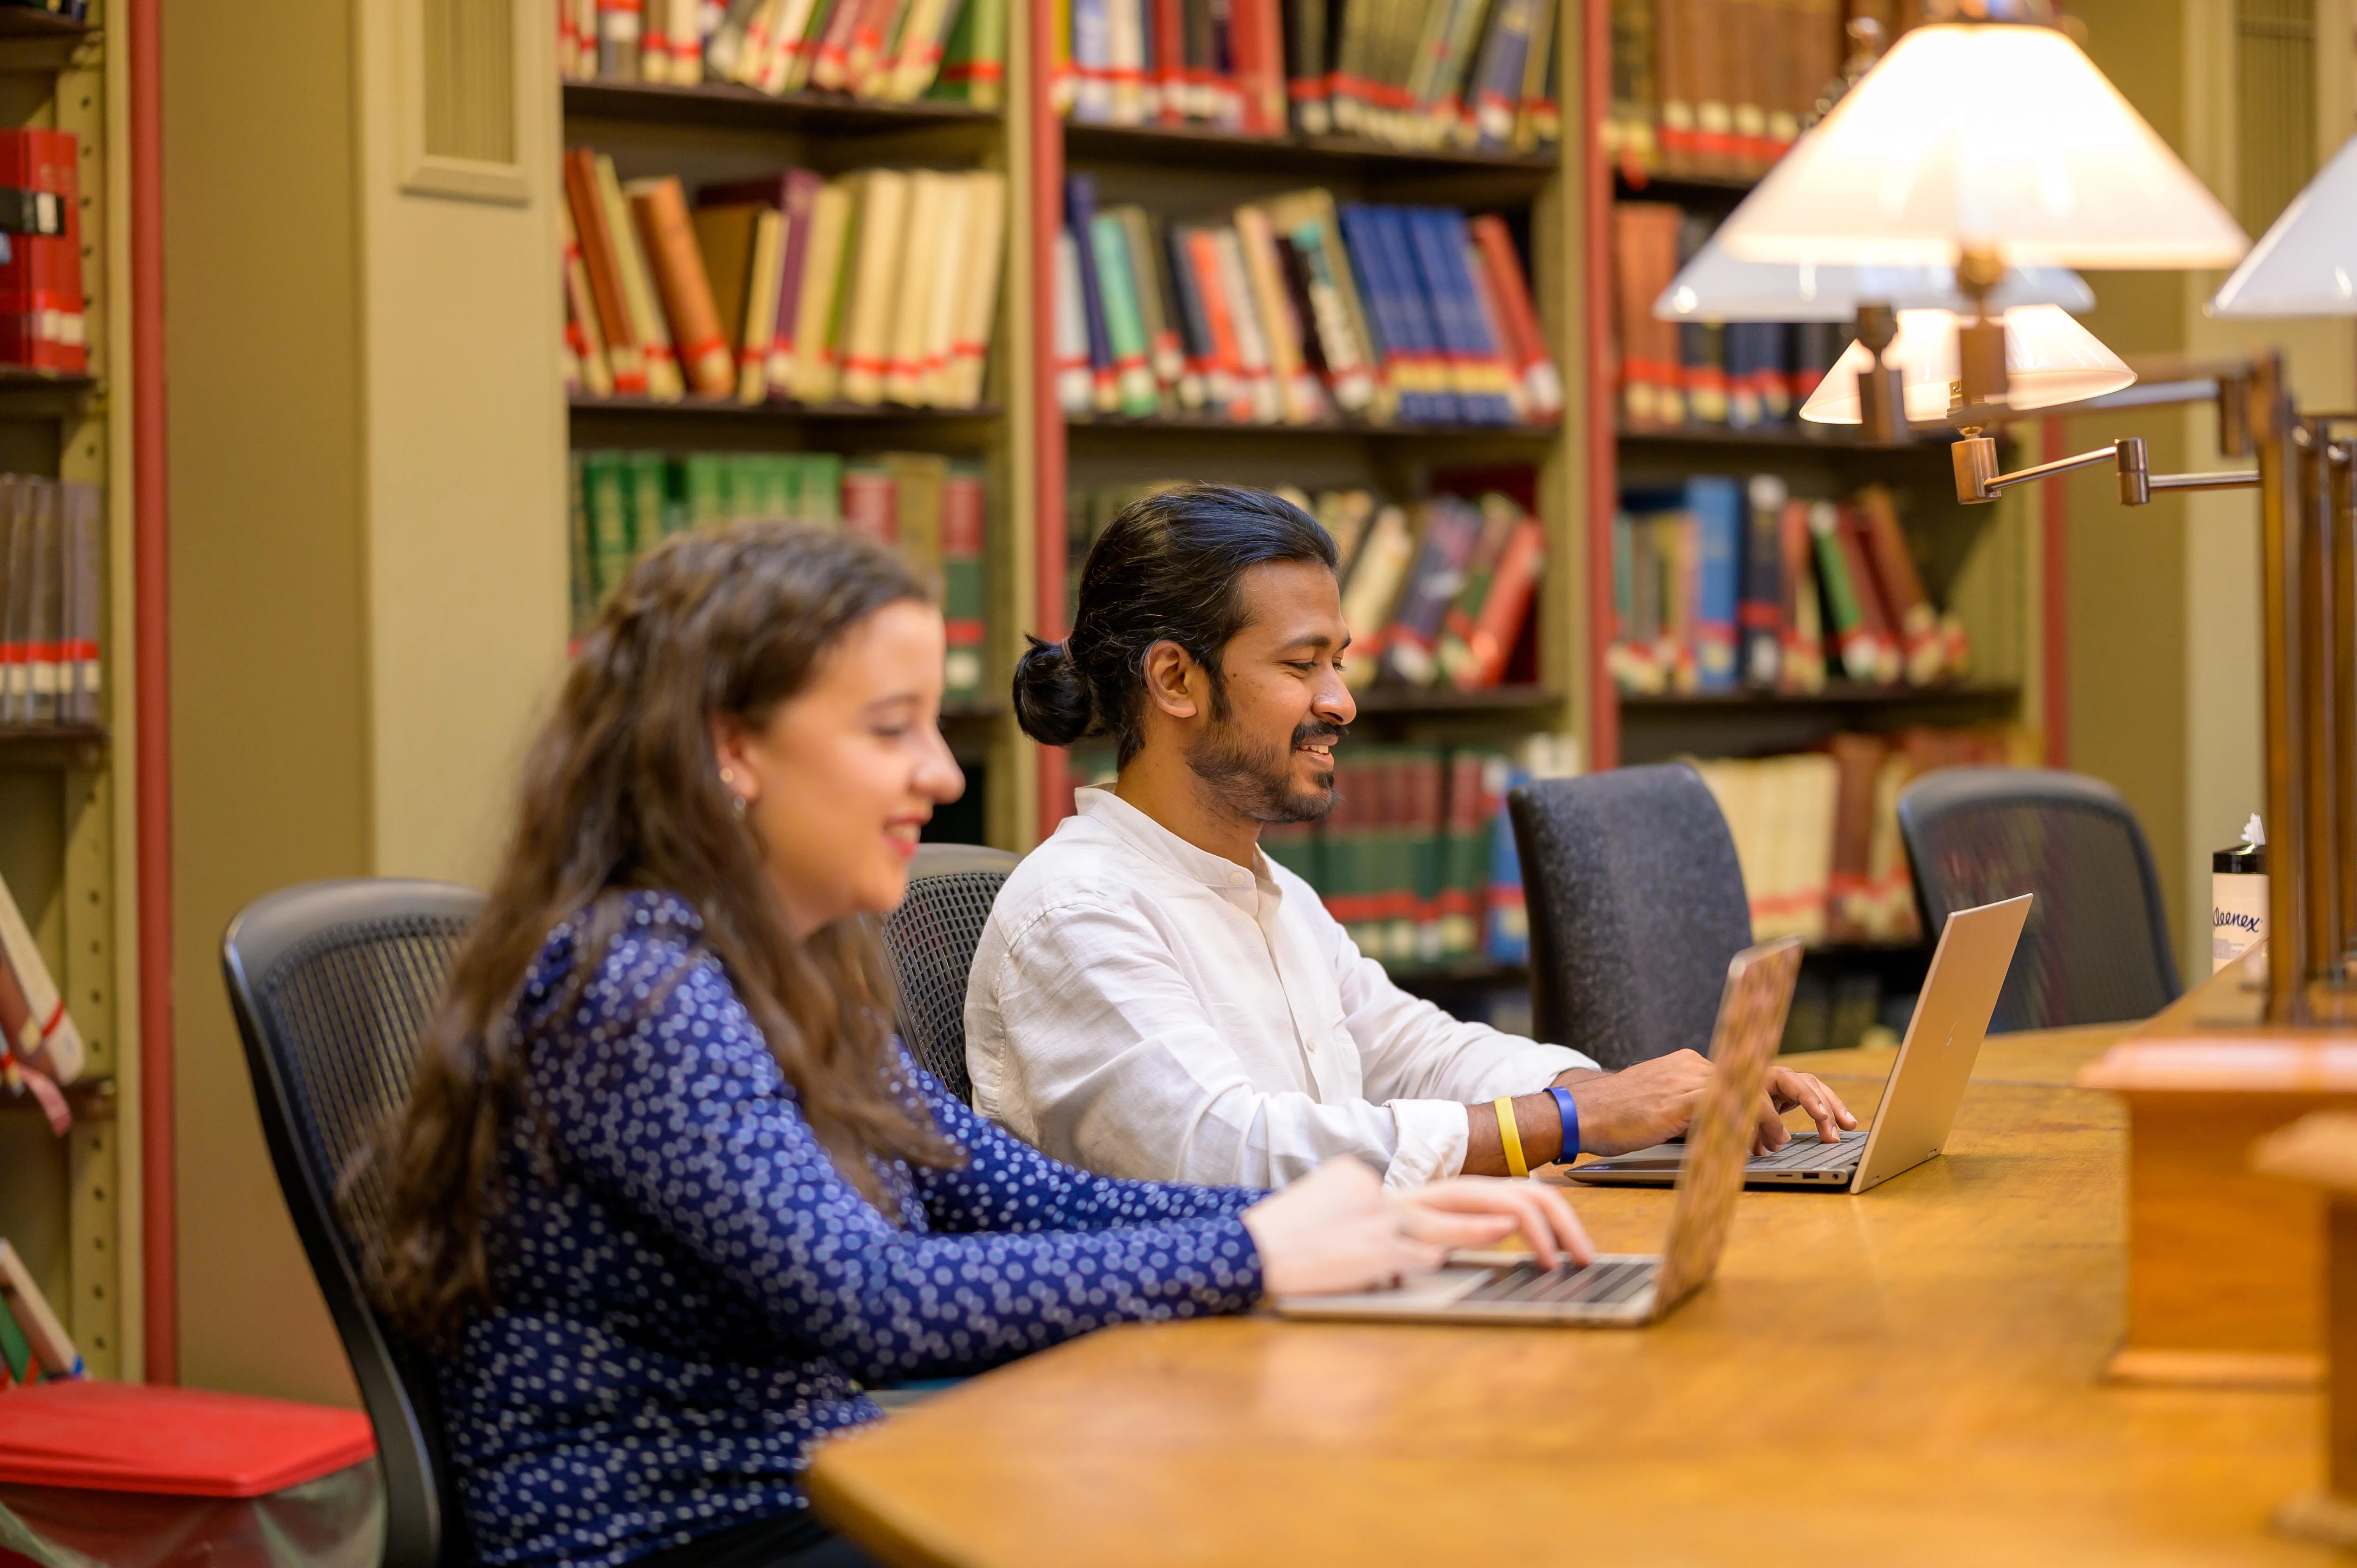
(1598, 1284)
(1806, 1152)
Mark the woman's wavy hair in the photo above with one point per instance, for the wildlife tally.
(1167, 568)
(621, 791)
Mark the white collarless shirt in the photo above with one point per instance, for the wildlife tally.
(1143, 1008)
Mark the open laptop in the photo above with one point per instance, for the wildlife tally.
(1926, 1084)
(1622, 1289)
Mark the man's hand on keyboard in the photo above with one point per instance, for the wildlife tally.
(1652, 1102)
(1787, 1089)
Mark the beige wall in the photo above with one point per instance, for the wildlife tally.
(367, 483)
(2164, 600)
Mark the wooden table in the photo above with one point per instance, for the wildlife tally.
(1910, 1377)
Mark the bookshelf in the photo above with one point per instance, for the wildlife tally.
(1038, 458)
(71, 1205)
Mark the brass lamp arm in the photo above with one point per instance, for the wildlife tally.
(1978, 480)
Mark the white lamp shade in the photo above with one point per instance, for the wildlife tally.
(1999, 136)
(2049, 358)
(1717, 287)
(2306, 264)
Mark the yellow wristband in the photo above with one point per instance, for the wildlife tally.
(1507, 1135)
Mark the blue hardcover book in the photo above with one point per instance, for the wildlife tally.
(1716, 503)
(1080, 210)
(1481, 375)
(1363, 240)
(1507, 938)
(1194, 326)
(1415, 318)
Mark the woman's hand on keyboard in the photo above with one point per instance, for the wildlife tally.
(1480, 1212)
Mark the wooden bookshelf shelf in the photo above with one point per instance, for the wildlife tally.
(1196, 424)
(744, 108)
(52, 746)
(1836, 694)
(729, 411)
(1208, 147)
(27, 391)
(25, 22)
(1794, 437)
(1449, 700)
(1716, 189)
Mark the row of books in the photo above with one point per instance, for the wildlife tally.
(1741, 375)
(1718, 87)
(892, 51)
(1817, 831)
(43, 326)
(52, 578)
(876, 287)
(1297, 310)
(1438, 591)
(1724, 583)
(931, 508)
(1411, 73)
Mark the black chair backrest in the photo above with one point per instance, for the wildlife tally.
(333, 983)
(1636, 906)
(930, 940)
(2095, 948)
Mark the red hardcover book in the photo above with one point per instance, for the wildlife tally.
(41, 321)
(870, 505)
(1491, 639)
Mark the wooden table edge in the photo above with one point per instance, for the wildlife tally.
(846, 1508)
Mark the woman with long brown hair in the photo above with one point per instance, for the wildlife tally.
(667, 1193)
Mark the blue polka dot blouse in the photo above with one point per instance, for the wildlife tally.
(697, 1296)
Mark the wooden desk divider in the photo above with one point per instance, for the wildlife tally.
(2225, 1266)
(2321, 1150)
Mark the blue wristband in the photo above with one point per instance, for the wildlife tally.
(1568, 1109)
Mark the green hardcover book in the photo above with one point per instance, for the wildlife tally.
(1124, 327)
(965, 602)
(606, 484)
(1847, 619)
(580, 548)
(648, 491)
(823, 491)
(705, 474)
(1426, 824)
(820, 499)
(973, 58)
(749, 488)
(1293, 845)
(15, 1350)
(917, 480)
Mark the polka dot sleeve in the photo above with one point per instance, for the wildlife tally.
(1007, 1185)
(659, 1089)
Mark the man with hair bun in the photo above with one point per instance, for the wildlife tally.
(1153, 997)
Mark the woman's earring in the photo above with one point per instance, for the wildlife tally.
(736, 804)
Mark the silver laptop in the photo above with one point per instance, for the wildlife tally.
(1926, 1084)
(1494, 1287)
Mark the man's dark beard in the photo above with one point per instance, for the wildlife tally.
(1257, 781)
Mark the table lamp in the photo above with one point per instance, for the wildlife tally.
(1985, 138)
(1714, 285)
(2306, 265)
(2048, 360)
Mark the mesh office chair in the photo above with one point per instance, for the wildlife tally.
(333, 983)
(1636, 906)
(2096, 947)
(930, 940)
